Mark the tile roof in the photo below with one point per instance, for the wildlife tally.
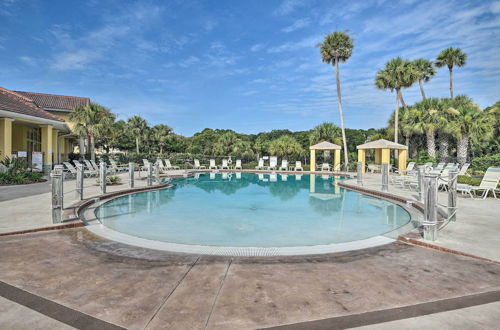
(381, 144)
(325, 145)
(17, 103)
(51, 101)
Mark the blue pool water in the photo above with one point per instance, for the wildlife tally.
(244, 209)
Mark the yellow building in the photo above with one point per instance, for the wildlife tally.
(36, 126)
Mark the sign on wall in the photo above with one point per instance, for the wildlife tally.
(37, 161)
(22, 154)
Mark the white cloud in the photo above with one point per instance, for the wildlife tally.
(189, 61)
(298, 24)
(292, 46)
(28, 60)
(256, 47)
(288, 6)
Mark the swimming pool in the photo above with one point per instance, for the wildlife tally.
(252, 210)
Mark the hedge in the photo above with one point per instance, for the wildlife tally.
(482, 163)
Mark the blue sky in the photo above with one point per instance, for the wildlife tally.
(246, 65)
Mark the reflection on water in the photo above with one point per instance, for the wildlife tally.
(242, 209)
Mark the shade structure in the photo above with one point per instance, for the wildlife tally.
(382, 149)
(325, 145)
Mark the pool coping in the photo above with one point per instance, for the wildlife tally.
(87, 215)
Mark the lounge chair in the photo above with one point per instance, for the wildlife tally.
(238, 165)
(89, 170)
(372, 168)
(70, 170)
(325, 167)
(224, 165)
(273, 162)
(488, 183)
(197, 165)
(170, 166)
(116, 167)
(284, 165)
(212, 165)
(463, 169)
(439, 166)
(298, 166)
(409, 169)
(260, 166)
(162, 166)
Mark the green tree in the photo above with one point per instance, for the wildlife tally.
(285, 146)
(226, 144)
(429, 118)
(325, 132)
(92, 120)
(137, 126)
(469, 122)
(160, 135)
(337, 47)
(451, 57)
(424, 71)
(397, 74)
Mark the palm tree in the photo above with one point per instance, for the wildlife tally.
(428, 119)
(325, 132)
(92, 120)
(137, 126)
(337, 47)
(451, 57)
(285, 146)
(160, 135)
(397, 74)
(469, 122)
(226, 144)
(425, 71)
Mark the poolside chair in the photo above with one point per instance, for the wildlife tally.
(463, 169)
(197, 165)
(169, 166)
(72, 170)
(162, 166)
(439, 166)
(116, 167)
(298, 166)
(260, 166)
(488, 183)
(273, 162)
(238, 165)
(325, 167)
(212, 165)
(443, 179)
(284, 165)
(409, 169)
(372, 168)
(90, 170)
(145, 166)
(224, 165)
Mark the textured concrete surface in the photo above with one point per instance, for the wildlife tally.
(139, 288)
(477, 229)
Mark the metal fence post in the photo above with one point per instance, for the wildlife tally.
(430, 207)
(57, 193)
(452, 194)
(359, 168)
(421, 191)
(79, 181)
(157, 173)
(385, 177)
(102, 176)
(150, 175)
(131, 170)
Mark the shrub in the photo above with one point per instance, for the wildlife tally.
(423, 157)
(468, 180)
(111, 179)
(482, 163)
(20, 178)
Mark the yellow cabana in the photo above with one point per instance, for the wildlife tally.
(325, 146)
(382, 152)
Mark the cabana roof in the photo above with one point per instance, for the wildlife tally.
(325, 145)
(381, 144)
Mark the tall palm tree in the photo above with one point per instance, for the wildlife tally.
(398, 73)
(337, 47)
(160, 135)
(91, 121)
(469, 122)
(325, 132)
(425, 71)
(226, 144)
(137, 126)
(428, 119)
(285, 146)
(451, 57)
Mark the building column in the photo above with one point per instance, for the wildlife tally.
(336, 160)
(386, 156)
(313, 160)
(62, 149)
(378, 156)
(362, 159)
(5, 137)
(47, 148)
(55, 147)
(403, 154)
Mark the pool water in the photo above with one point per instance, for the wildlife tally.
(252, 210)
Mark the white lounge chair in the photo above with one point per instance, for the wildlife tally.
(284, 165)
(224, 165)
(212, 165)
(260, 166)
(273, 162)
(238, 165)
(439, 166)
(372, 168)
(70, 170)
(197, 165)
(325, 167)
(89, 170)
(463, 169)
(116, 167)
(170, 166)
(298, 166)
(410, 168)
(488, 183)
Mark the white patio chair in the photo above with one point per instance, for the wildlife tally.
(238, 165)
(89, 170)
(212, 165)
(298, 166)
(463, 169)
(488, 183)
(170, 166)
(260, 166)
(224, 165)
(116, 167)
(273, 162)
(284, 165)
(325, 167)
(197, 165)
